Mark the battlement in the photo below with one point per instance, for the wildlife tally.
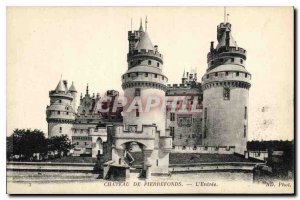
(183, 86)
(53, 93)
(144, 52)
(204, 149)
(223, 51)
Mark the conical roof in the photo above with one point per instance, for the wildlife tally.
(60, 87)
(145, 43)
(72, 88)
(222, 42)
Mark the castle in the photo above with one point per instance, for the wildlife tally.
(219, 126)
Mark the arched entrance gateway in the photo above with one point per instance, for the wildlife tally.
(145, 150)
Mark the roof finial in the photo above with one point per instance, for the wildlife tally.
(227, 17)
(146, 21)
(87, 89)
(224, 14)
(141, 25)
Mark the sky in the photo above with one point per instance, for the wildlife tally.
(89, 45)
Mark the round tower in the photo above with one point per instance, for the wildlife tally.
(60, 113)
(225, 88)
(144, 78)
(73, 92)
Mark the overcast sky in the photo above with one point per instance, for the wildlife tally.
(89, 45)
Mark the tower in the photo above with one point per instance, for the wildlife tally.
(73, 92)
(142, 81)
(60, 113)
(225, 88)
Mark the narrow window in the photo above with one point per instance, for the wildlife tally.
(77, 143)
(137, 113)
(156, 162)
(158, 64)
(58, 112)
(207, 76)
(60, 129)
(245, 114)
(242, 61)
(67, 113)
(59, 101)
(180, 137)
(246, 75)
(216, 74)
(238, 73)
(172, 116)
(146, 74)
(226, 73)
(137, 92)
(155, 75)
(163, 77)
(139, 61)
(245, 131)
(149, 62)
(232, 59)
(226, 94)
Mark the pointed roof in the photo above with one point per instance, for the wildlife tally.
(60, 87)
(145, 43)
(141, 26)
(72, 88)
(222, 42)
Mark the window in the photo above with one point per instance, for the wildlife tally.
(226, 94)
(149, 62)
(163, 77)
(245, 131)
(246, 75)
(139, 61)
(81, 131)
(75, 131)
(155, 75)
(232, 59)
(158, 64)
(67, 113)
(146, 74)
(60, 129)
(238, 73)
(245, 114)
(226, 73)
(216, 74)
(241, 61)
(58, 112)
(77, 143)
(137, 113)
(207, 76)
(156, 162)
(85, 143)
(172, 132)
(172, 117)
(137, 92)
(59, 101)
(180, 137)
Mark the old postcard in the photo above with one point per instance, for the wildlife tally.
(150, 100)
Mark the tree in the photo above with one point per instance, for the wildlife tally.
(60, 144)
(26, 143)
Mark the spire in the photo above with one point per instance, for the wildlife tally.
(60, 87)
(146, 22)
(87, 89)
(72, 88)
(141, 26)
(145, 43)
(183, 73)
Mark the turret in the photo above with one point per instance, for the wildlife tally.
(60, 113)
(73, 92)
(225, 93)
